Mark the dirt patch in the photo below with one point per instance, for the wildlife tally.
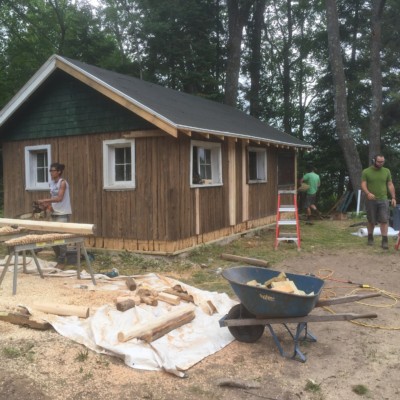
(347, 358)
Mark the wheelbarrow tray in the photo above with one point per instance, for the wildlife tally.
(267, 303)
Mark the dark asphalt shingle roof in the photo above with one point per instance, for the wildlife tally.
(177, 109)
(185, 111)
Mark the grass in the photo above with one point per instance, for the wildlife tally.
(83, 355)
(361, 390)
(201, 267)
(312, 386)
(25, 351)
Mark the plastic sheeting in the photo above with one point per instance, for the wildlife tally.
(174, 352)
(363, 232)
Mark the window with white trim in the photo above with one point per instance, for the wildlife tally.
(37, 161)
(205, 163)
(119, 164)
(257, 164)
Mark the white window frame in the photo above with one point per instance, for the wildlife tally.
(216, 163)
(261, 161)
(31, 176)
(109, 182)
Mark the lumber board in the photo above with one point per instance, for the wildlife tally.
(158, 327)
(50, 226)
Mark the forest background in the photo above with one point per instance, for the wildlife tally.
(324, 71)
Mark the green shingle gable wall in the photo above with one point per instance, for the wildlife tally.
(63, 106)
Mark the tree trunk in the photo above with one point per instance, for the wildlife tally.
(256, 59)
(376, 79)
(346, 141)
(238, 13)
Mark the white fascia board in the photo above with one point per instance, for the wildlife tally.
(241, 136)
(119, 93)
(25, 92)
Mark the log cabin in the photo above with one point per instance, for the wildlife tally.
(154, 169)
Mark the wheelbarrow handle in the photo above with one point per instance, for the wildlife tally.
(345, 299)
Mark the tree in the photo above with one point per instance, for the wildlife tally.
(238, 14)
(346, 141)
(376, 78)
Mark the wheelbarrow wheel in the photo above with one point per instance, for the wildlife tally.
(248, 333)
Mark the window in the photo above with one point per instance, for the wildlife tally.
(37, 161)
(119, 164)
(205, 163)
(257, 164)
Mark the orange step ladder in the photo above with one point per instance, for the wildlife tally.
(281, 221)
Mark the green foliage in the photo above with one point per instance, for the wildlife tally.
(25, 351)
(83, 355)
(361, 390)
(312, 386)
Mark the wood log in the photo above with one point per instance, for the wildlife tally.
(154, 329)
(62, 309)
(247, 260)
(125, 304)
(50, 226)
(23, 319)
(182, 296)
(149, 300)
(169, 298)
(131, 284)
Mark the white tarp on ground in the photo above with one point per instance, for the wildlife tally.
(174, 352)
(363, 232)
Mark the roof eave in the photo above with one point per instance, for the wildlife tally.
(244, 137)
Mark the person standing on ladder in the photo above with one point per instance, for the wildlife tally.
(313, 181)
(376, 181)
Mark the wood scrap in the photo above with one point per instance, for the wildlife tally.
(126, 304)
(131, 283)
(169, 298)
(62, 309)
(238, 383)
(149, 300)
(23, 319)
(247, 260)
(178, 291)
(152, 330)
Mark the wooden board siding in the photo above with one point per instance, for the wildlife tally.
(263, 196)
(64, 106)
(160, 214)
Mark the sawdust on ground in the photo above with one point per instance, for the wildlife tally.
(346, 359)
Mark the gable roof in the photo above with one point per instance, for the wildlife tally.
(169, 110)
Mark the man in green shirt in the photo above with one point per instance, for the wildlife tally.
(376, 181)
(313, 181)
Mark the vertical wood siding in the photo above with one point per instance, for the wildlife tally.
(162, 207)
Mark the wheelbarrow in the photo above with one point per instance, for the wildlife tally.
(261, 307)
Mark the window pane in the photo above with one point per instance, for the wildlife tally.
(205, 163)
(252, 165)
(123, 164)
(41, 167)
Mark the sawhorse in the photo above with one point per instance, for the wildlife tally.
(14, 250)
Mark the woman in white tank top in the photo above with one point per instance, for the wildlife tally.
(59, 204)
